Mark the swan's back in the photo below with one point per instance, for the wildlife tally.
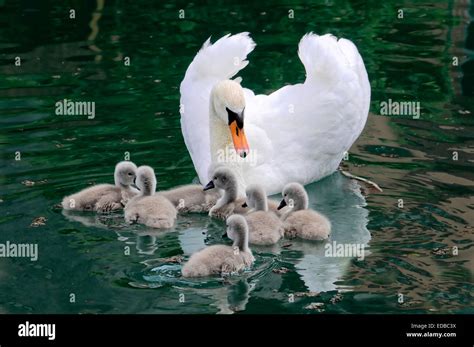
(308, 225)
(215, 260)
(265, 228)
(192, 198)
(302, 131)
(87, 199)
(154, 211)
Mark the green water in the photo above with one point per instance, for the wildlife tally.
(409, 249)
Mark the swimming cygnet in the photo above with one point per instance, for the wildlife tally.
(223, 178)
(222, 259)
(229, 203)
(106, 197)
(300, 221)
(265, 228)
(191, 198)
(154, 211)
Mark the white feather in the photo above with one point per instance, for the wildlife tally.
(212, 64)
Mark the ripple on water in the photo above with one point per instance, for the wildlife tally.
(169, 274)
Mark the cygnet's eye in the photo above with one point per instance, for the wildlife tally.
(285, 195)
(130, 174)
(215, 177)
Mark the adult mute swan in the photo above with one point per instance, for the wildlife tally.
(298, 133)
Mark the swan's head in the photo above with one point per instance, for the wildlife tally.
(223, 178)
(125, 173)
(238, 231)
(256, 197)
(146, 180)
(228, 104)
(294, 196)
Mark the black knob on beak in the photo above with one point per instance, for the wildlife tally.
(244, 205)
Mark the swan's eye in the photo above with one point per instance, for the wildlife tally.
(285, 195)
(215, 177)
(130, 174)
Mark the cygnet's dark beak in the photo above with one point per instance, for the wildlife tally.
(244, 205)
(134, 184)
(282, 204)
(210, 185)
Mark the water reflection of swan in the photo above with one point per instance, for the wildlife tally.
(146, 244)
(101, 221)
(145, 238)
(230, 297)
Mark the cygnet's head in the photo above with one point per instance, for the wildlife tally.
(294, 196)
(146, 180)
(223, 178)
(256, 198)
(125, 173)
(238, 231)
(213, 167)
(227, 103)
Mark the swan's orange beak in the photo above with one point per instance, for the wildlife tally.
(238, 138)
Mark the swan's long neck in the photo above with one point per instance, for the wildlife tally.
(149, 186)
(147, 192)
(301, 202)
(230, 194)
(220, 138)
(117, 180)
(242, 241)
(261, 202)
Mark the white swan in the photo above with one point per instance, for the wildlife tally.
(299, 133)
